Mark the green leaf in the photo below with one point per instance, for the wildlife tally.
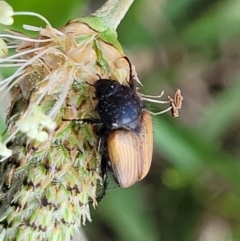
(107, 34)
(110, 36)
(100, 59)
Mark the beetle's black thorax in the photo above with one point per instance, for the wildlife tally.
(118, 105)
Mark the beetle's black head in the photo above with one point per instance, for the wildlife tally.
(105, 88)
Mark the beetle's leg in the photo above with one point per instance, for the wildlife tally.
(103, 183)
(131, 79)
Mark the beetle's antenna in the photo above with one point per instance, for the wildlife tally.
(93, 84)
(99, 76)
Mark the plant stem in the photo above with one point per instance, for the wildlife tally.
(113, 11)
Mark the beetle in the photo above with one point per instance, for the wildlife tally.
(127, 131)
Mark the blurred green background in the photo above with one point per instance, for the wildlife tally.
(192, 190)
